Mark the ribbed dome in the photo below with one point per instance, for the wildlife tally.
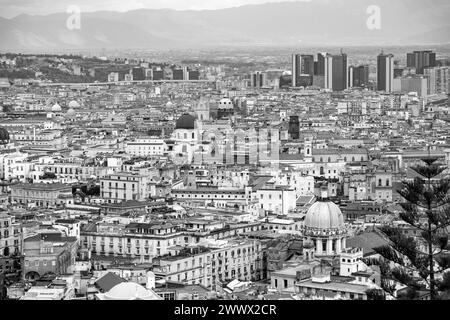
(56, 108)
(73, 104)
(324, 215)
(186, 121)
(130, 291)
(4, 136)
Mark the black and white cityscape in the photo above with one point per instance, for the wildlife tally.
(224, 150)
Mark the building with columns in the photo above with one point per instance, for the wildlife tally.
(324, 225)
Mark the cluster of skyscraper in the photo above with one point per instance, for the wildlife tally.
(332, 71)
(328, 71)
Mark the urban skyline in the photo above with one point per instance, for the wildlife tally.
(254, 174)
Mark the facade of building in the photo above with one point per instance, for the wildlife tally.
(48, 253)
(10, 236)
(124, 186)
(42, 194)
(385, 72)
(421, 60)
(146, 147)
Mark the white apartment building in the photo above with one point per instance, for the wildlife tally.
(138, 241)
(277, 199)
(146, 147)
(122, 186)
(213, 263)
(14, 165)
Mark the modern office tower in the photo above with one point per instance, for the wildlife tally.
(294, 128)
(413, 83)
(438, 80)
(296, 60)
(339, 72)
(185, 73)
(319, 69)
(138, 73)
(319, 79)
(331, 71)
(158, 74)
(351, 71)
(358, 76)
(178, 74)
(193, 74)
(302, 70)
(421, 60)
(258, 79)
(385, 72)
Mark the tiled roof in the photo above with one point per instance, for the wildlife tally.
(367, 241)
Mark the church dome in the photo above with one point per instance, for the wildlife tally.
(4, 136)
(73, 104)
(56, 108)
(186, 121)
(130, 291)
(324, 215)
(70, 113)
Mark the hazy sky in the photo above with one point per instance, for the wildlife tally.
(11, 8)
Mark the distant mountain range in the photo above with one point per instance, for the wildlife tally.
(318, 22)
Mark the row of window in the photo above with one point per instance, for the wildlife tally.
(37, 263)
(209, 196)
(345, 159)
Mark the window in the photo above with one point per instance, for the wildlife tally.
(285, 283)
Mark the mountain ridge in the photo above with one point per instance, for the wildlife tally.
(317, 22)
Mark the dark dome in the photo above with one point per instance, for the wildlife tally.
(4, 136)
(186, 121)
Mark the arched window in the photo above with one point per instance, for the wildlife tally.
(387, 182)
(193, 135)
(329, 159)
(353, 159)
(379, 183)
(321, 159)
(322, 171)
